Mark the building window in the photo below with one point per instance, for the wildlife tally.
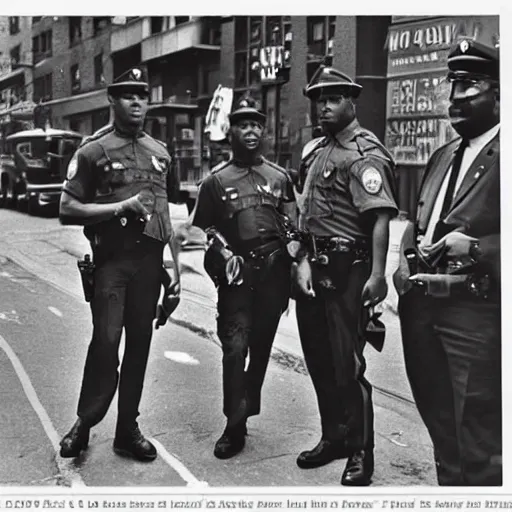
(75, 30)
(14, 25)
(36, 19)
(157, 94)
(178, 20)
(43, 88)
(157, 24)
(15, 56)
(99, 79)
(211, 31)
(100, 23)
(262, 48)
(75, 79)
(42, 46)
(320, 34)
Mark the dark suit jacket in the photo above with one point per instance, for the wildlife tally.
(475, 209)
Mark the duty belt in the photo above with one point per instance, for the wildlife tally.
(265, 250)
(319, 247)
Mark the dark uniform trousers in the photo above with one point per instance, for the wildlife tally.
(333, 350)
(247, 321)
(127, 288)
(455, 344)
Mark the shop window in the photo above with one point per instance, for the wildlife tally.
(157, 94)
(211, 33)
(100, 118)
(75, 79)
(75, 30)
(274, 31)
(36, 19)
(14, 25)
(99, 79)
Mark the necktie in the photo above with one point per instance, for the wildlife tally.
(441, 228)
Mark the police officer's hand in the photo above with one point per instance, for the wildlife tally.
(304, 277)
(141, 204)
(456, 244)
(374, 290)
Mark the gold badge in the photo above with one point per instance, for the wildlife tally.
(72, 168)
(372, 180)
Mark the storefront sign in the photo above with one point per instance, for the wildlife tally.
(424, 44)
(424, 95)
(412, 141)
(272, 59)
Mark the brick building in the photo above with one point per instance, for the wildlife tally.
(65, 63)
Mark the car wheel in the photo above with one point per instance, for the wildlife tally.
(11, 197)
(33, 205)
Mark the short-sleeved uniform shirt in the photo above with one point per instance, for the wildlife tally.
(348, 176)
(244, 202)
(111, 167)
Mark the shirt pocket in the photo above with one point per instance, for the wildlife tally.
(322, 195)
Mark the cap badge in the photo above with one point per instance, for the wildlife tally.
(464, 46)
(137, 73)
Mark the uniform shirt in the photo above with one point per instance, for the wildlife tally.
(470, 153)
(348, 176)
(243, 202)
(113, 166)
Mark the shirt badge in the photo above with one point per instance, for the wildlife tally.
(372, 180)
(156, 164)
(72, 168)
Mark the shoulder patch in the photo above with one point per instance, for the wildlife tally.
(372, 180)
(97, 134)
(72, 168)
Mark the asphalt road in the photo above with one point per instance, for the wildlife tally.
(44, 331)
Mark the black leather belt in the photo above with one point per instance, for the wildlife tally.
(264, 250)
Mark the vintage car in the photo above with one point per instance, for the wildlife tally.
(33, 167)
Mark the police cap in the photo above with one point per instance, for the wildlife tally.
(328, 80)
(247, 110)
(132, 80)
(472, 59)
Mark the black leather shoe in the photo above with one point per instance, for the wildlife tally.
(324, 452)
(131, 443)
(359, 469)
(76, 440)
(230, 443)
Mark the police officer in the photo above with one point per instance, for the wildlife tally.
(117, 188)
(346, 203)
(450, 308)
(241, 206)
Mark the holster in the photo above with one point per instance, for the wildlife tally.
(86, 268)
(220, 263)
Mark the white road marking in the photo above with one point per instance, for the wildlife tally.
(66, 469)
(178, 466)
(10, 316)
(55, 311)
(180, 357)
